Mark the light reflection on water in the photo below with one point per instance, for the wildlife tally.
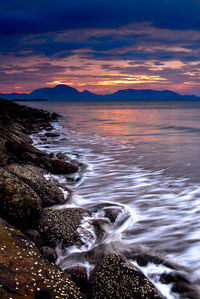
(144, 156)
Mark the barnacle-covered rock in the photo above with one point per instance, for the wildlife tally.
(49, 193)
(60, 226)
(19, 204)
(25, 273)
(115, 277)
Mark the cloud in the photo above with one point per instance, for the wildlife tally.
(86, 42)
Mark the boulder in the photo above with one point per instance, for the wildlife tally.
(49, 253)
(115, 277)
(60, 226)
(49, 193)
(79, 276)
(51, 135)
(25, 273)
(57, 166)
(112, 214)
(19, 204)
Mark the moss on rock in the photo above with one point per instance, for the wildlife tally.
(49, 193)
(19, 204)
(115, 277)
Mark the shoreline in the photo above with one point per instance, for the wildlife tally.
(49, 227)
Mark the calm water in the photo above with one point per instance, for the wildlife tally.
(142, 159)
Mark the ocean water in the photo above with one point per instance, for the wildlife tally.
(140, 159)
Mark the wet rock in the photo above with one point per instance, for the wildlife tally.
(79, 276)
(25, 273)
(184, 290)
(60, 226)
(180, 284)
(49, 193)
(18, 149)
(115, 277)
(34, 236)
(172, 277)
(49, 253)
(112, 214)
(30, 119)
(52, 135)
(62, 156)
(57, 166)
(4, 157)
(19, 204)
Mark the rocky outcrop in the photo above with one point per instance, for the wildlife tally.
(25, 273)
(57, 166)
(60, 226)
(19, 204)
(115, 277)
(49, 193)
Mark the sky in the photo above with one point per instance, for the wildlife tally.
(100, 45)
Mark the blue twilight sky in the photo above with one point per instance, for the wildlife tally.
(101, 46)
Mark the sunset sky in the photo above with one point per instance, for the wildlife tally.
(100, 45)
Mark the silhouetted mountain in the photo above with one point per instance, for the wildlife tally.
(148, 94)
(64, 92)
(59, 93)
(12, 96)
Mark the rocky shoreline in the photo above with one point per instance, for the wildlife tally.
(31, 229)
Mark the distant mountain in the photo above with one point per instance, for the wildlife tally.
(60, 93)
(64, 92)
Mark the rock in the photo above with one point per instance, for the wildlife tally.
(172, 277)
(19, 204)
(4, 157)
(79, 276)
(112, 214)
(180, 284)
(62, 156)
(115, 277)
(25, 273)
(57, 166)
(52, 135)
(60, 226)
(34, 236)
(184, 290)
(49, 193)
(17, 149)
(49, 253)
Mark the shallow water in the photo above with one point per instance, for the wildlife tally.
(141, 159)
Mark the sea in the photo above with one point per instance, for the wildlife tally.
(142, 161)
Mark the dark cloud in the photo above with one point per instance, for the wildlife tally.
(17, 16)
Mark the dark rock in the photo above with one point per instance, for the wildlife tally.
(167, 278)
(60, 226)
(52, 135)
(62, 156)
(4, 157)
(34, 236)
(19, 204)
(112, 214)
(79, 276)
(59, 167)
(49, 253)
(25, 273)
(49, 193)
(115, 277)
(183, 288)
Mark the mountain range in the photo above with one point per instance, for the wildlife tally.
(64, 92)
